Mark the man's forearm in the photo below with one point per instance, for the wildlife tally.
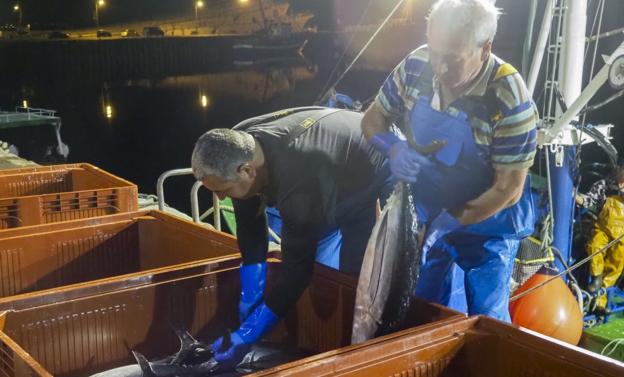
(375, 121)
(506, 191)
(252, 233)
(298, 255)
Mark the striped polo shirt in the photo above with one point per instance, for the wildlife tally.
(503, 122)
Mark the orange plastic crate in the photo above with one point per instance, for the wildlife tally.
(134, 244)
(477, 346)
(78, 337)
(43, 195)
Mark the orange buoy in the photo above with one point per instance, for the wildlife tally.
(550, 310)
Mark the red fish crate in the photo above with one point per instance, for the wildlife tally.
(96, 332)
(128, 247)
(476, 346)
(43, 195)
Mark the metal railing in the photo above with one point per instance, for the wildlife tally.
(36, 111)
(27, 113)
(160, 192)
(215, 210)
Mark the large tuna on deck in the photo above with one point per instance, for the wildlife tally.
(390, 268)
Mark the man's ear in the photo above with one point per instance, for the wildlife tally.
(247, 169)
(486, 50)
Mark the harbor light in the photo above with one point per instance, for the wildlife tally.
(96, 13)
(198, 5)
(205, 101)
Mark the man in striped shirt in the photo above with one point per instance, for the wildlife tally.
(472, 193)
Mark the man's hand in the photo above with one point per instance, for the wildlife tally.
(442, 225)
(230, 353)
(406, 163)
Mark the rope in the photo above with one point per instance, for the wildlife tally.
(615, 343)
(385, 21)
(555, 63)
(564, 263)
(546, 233)
(551, 214)
(579, 294)
(567, 270)
(606, 34)
(600, 11)
(602, 103)
(592, 31)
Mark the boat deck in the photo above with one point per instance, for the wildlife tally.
(25, 116)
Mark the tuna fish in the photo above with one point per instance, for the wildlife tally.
(194, 359)
(390, 268)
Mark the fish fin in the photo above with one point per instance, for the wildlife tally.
(185, 337)
(188, 346)
(145, 366)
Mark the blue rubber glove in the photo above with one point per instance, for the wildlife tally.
(253, 282)
(259, 322)
(442, 225)
(383, 142)
(405, 162)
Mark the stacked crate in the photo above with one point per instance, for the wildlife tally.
(43, 195)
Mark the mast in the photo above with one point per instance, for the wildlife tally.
(563, 156)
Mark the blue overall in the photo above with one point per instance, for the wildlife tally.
(328, 248)
(484, 251)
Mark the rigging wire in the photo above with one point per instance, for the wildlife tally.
(385, 21)
(344, 51)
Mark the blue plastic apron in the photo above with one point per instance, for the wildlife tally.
(484, 251)
(463, 173)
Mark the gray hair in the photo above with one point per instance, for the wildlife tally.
(220, 152)
(475, 20)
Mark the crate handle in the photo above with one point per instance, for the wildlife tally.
(16, 218)
(49, 211)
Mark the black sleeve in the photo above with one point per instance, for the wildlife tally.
(301, 230)
(251, 229)
(298, 254)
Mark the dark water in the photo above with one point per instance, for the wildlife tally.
(139, 128)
